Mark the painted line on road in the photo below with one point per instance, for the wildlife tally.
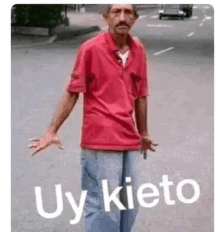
(154, 16)
(194, 7)
(201, 24)
(148, 15)
(158, 25)
(155, 12)
(194, 17)
(206, 7)
(192, 33)
(142, 16)
(205, 19)
(51, 40)
(208, 17)
(166, 50)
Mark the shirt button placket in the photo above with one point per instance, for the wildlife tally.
(120, 61)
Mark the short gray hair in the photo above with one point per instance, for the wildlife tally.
(105, 8)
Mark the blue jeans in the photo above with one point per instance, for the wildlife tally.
(113, 167)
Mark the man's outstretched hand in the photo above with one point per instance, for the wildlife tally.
(38, 144)
(147, 144)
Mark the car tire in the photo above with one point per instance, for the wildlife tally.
(190, 13)
(160, 17)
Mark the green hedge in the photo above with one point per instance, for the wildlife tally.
(37, 15)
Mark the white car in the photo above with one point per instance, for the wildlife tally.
(171, 10)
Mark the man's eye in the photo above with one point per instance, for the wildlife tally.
(116, 11)
(128, 12)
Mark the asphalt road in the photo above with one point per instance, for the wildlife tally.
(181, 115)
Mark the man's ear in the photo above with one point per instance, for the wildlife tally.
(105, 16)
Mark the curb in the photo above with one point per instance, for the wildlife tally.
(71, 34)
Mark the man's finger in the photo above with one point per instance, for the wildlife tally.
(59, 144)
(32, 145)
(32, 154)
(155, 144)
(151, 148)
(34, 139)
(145, 154)
(36, 151)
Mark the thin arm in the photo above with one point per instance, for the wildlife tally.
(65, 106)
(141, 115)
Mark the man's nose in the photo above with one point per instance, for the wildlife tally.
(122, 16)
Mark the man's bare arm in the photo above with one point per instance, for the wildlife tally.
(142, 125)
(66, 104)
(141, 115)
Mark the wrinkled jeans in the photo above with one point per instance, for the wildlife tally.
(113, 167)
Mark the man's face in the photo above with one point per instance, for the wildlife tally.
(120, 18)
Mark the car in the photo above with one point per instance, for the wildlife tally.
(187, 8)
(171, 10)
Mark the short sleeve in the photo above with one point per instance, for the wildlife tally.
(143, 73)
(80, 71)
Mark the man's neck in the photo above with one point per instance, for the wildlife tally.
(121, 40)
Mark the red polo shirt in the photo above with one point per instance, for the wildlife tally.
(109, 91)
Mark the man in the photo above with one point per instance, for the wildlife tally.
(111, 71)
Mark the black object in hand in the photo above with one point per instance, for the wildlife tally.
(145, 155)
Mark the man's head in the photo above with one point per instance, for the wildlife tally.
(120, 18)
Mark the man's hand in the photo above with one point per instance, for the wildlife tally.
(66, 104)
(46, 140)
(147, 144)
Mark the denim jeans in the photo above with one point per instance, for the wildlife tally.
(113, 167)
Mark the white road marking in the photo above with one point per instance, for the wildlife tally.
(201, 24)
(142, 16)
(208, 17)
(205, 19)
(51, 40)
(154, 16)
(147, 15)
(158, 25)
(194, 17)
(194, 7)
(160, 52)
(192, 33)
(155, 12)
(206, 7)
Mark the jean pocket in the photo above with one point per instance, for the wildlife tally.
(83, 157)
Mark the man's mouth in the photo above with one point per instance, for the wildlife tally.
(123, 26)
